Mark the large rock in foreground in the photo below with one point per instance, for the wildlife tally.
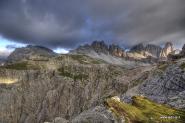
(167, 88)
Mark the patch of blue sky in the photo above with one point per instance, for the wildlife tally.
(61, 51)
(4, 43)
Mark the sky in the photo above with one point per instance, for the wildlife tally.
(65, 24)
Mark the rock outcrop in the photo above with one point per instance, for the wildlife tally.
(30, 53)
(117, 51)
(100, 47)
(166, 51)
(183, 51)
(99, 114)
(167, 88)
(114, 54)
(148, 50)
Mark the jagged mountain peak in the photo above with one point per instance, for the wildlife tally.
(137, 48)
(100, 47)
(38, 47)
(168, 48)
(147, 49)
(183, 50)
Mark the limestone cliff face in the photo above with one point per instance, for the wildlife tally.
(153, 49)
(117, 51)
(41, 95)
(148, 50)
(168, 87)
(166, 50)
(101, 47)
(183, 51)
(65, 86)
(165, 84)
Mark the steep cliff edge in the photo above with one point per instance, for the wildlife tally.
(148, 50)
(63, 86)
(166, 51)
(165, 84)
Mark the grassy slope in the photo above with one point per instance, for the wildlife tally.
(20, 66)
(82, 59)
(73, 75)
(145, 111)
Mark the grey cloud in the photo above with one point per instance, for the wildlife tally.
(60, 23)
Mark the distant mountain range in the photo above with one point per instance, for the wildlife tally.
(137, 52)
(99, 49)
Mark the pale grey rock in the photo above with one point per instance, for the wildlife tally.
(42, 95)
(59, 120)
(147, 50)
(166, 88)
(183, 51)
(100, 47)
(168, 49)
(99, 114)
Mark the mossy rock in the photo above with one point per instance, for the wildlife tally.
(143, 110)
(74, 75)
(182, 66)
(20, 66)
(83, 59)
(163, 67)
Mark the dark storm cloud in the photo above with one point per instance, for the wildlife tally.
(67, 23)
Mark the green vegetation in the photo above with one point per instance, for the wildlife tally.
(163, 67)
(74, 76)
(182, 66)
(20, 66)
(83, 59)
(143, 110)
(115, 71)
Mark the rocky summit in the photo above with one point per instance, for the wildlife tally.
(95, 83)
(100, 47)
(166, 50)
(32, 53)
(140, 52)
(147, 50)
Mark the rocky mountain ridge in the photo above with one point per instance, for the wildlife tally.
(137, 52)
(166, 51)
(30, 53)
(148, 50)
(101, 47)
